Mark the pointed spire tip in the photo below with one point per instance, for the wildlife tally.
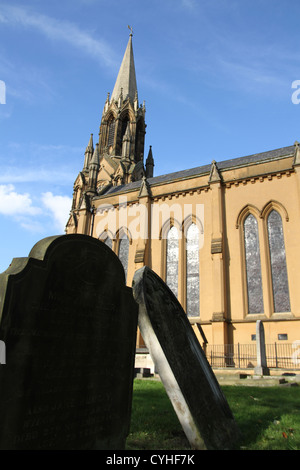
(126, 78)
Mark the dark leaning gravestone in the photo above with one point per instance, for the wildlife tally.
(69, 327)
(192, 387)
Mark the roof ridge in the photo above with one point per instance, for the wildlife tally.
(222, 162)
(191, 172)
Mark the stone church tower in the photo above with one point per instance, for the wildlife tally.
(118, 157)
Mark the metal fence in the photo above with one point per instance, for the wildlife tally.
(243, 356)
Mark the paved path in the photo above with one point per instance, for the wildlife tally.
(286, 379)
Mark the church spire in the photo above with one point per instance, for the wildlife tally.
(122, 129)
(126, 80)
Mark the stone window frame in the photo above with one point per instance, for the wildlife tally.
(191, 219)
(116, 245)
(105, 235)
(267, 286)
(111, 133)
(247, 210)
(259, 261)
(125, 118)
(116, 240)
(281, 210)
(182, 270)
(167, 226)
(109, 119)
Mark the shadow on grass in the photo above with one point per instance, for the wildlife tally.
(154, 424)
(269, 418)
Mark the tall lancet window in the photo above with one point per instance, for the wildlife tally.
(123, 252)
(125, 124)
(172, 260)
(192, 271)
(108, 242)
(111, 132)
(281, 298)
(253, 265)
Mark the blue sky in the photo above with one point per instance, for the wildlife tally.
(216, 76)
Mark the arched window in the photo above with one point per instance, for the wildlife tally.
(106, 239)
(192, 271)
(281, 298)
(253, 265)
(139, 140)
(111, 132)
(123, 252)
(172, 260)
(108, 242)
(125, 122)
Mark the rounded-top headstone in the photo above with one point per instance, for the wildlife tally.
(69, 326)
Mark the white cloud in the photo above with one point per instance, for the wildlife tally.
(253, 77)
(59, 207)
(16, 204)
(189, 4)
(17, 175)
(5, 112)
(25, 82)
(53, 213)
(32, 225)
(59, 30)
(51, 169)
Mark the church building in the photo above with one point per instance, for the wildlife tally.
(224, 236)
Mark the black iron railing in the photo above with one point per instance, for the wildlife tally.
(243, 356)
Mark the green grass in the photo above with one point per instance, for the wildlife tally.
(269, 418)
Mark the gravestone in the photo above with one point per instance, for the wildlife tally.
(190, 383)
(261, 366)
(2, 352)
(69, 327)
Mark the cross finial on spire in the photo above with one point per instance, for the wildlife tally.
(131, 30)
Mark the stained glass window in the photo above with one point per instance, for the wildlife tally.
(192, 271)
(108, 242)
(280, 284)
(253, 265)
(172, 260)
(123, 252)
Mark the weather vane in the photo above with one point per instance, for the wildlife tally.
(131, 30)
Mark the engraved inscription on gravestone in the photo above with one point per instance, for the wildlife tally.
(69, 325)
(201, 407)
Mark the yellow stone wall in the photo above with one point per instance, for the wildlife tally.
(254, 188)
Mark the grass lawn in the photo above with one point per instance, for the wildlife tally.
(269, 418)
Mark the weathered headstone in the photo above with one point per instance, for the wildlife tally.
(261, 366)
(69, 327)
(2, 352)
(199, 403)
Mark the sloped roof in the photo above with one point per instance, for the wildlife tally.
(257, 158)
